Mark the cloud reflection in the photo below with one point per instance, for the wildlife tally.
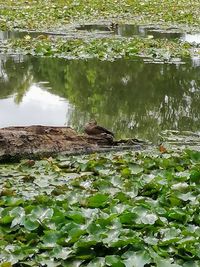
(37, 107)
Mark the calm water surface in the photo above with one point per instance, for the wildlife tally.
(132, 98)
(127, 30)
(124, 30)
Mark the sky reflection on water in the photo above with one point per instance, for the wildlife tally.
(132, 98)
(37, 107)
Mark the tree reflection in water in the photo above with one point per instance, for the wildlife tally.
(132, 98)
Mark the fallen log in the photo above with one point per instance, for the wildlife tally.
(42, 141)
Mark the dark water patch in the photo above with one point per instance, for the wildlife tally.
(65, 34)
(10, 35)
(132, 98)
(126, 30)
(145, 31)
(94, 27)
(157, 32)
(98, 30)
(7, 35)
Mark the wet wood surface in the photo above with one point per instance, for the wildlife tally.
(42, 141)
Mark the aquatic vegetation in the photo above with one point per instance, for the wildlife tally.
(50, 14)
(104, 48)
(64, 16)
(102, 210)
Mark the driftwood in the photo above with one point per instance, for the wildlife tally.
(42, 141)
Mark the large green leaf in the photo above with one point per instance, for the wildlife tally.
(50, 238)
(136, 259)
(41, 213)
(166, 263)
(98, 200)
(98, 262)
(114, 261)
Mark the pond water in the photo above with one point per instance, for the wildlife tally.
(5, 35)
(127, 30)
(132, 98)
(101, 30)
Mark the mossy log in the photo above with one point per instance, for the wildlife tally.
(42, 141)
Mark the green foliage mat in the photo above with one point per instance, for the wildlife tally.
(50, 13)
(161, 50)
(62, 16)
(122, 209)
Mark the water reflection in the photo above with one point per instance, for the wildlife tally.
(144, 31)
(127, 30)
(5, 35)
(191, 38)
(94, 27)
(37, 107)
(124, 30)
(129, 97)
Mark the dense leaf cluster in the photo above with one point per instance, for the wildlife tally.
(59, 17)
(122, 209)
(104, 48)
(50, 13)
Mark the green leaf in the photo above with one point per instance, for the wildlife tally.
(19, 214)
(30, 224)
(151, 240)
(41, 213)
(76, 216)
(149, 219)
(6, 264)
(191, 264)
(114, 261)
(135, 168)
(49, 263)
(50, 238)
(136, 259)
(11, 201)
(195, 176)
(194, 155)
(6, 219)
(85, 242)
(98, 262)
(166, 263)
(127, 217)
(71, 263)
(170, 235)
(74, 234)
(125, 172)
(59, 252)
(98, 200)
